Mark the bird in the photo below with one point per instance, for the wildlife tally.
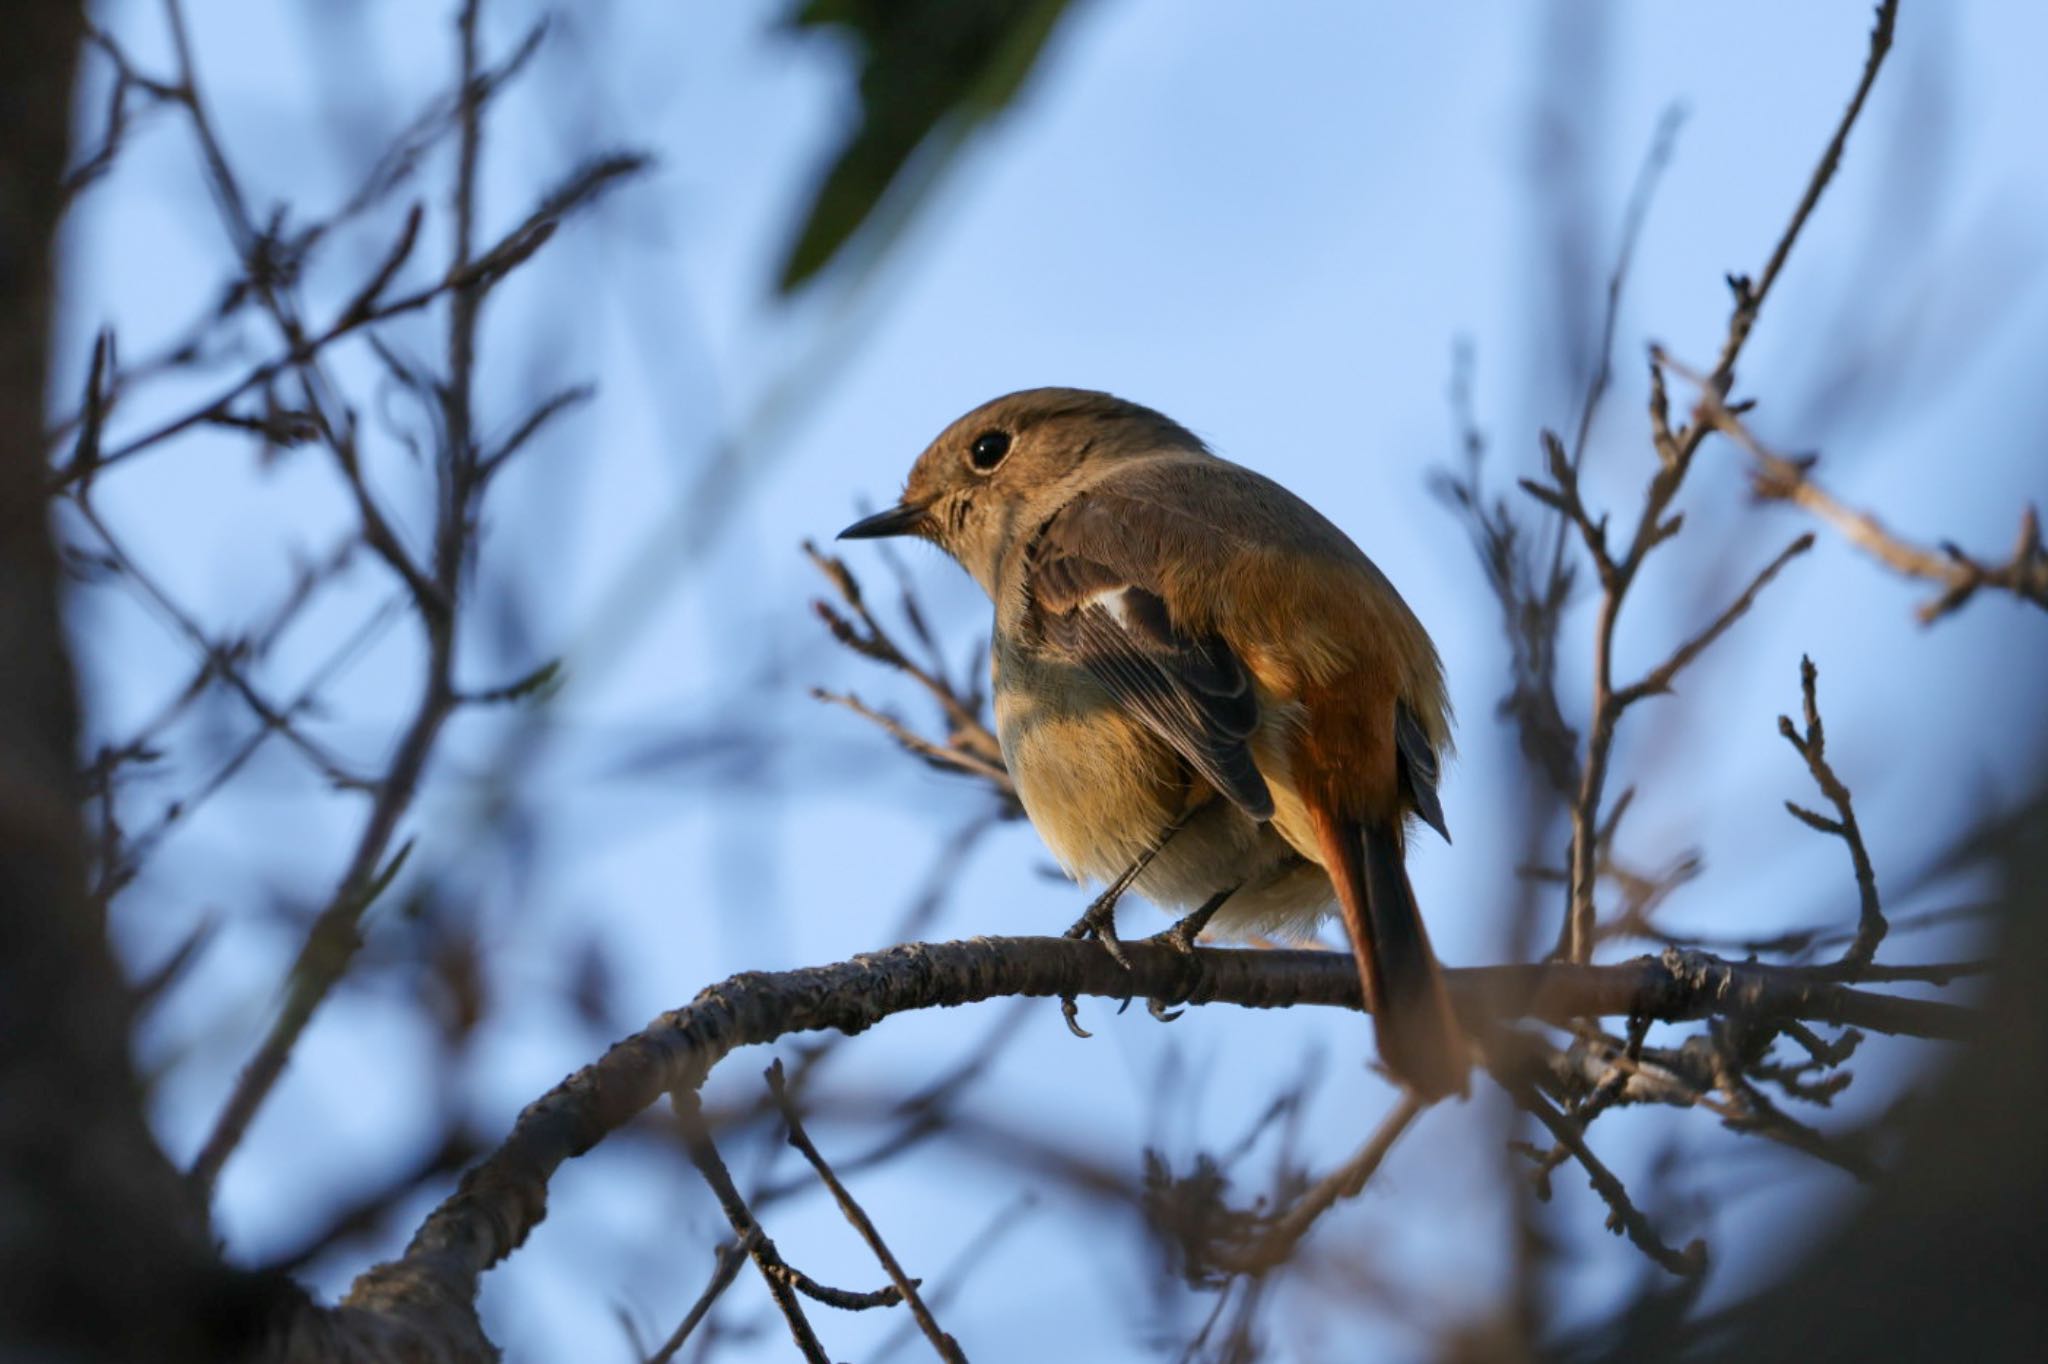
(1202, 688)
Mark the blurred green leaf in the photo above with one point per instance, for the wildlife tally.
(931, 71)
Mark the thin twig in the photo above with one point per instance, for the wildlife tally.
(1659, 679)
(942, 756)
(728, 1259)
(1750, 297)
(1285, 1231)
(1781, 478)
(979, 1247)
(221, 658)
(1610, 700)
(947, 1348)
(1623, 1217)
(331, 943)
(703, 1153)
(970, 745)
(1812, 746)
(350, 649)
(1676, 451)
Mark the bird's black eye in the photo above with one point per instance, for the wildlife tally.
(988, 449)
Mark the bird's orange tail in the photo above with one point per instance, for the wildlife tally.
(1419, 1037)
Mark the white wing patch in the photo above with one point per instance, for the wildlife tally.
(1115, 601)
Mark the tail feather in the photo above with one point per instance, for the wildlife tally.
(1419, 1036)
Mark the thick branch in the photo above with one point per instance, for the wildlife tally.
(502, 1199)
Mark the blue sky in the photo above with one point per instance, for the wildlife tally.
(1274, 224)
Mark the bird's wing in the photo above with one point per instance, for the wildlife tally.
(1094, 597)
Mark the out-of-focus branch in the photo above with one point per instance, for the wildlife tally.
(727, 1259)
(102, 1254)
(331, 943)
(1005, 1220)
(220, 658)
(1532, 603)
(1662, 143)
(969, 746)
(1284, 1231)
(1960, 575)
(462, 474)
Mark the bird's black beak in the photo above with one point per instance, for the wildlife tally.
(906, 519)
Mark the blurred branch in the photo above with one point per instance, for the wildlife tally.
(366, 1213)
(1662, 143)
(1531, 606)
(727, 1259)
(220, 658)
(127, 81)
(970, 746)
(102, 1253)
(1005, 1220)
(1284, 1230)
(119, 863)
(462, 474)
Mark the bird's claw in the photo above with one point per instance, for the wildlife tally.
(1098, 921)
(1181, 939)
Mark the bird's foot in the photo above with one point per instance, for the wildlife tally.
(1098, 921)
(1181, 938)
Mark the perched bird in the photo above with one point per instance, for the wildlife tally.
(1203, 689)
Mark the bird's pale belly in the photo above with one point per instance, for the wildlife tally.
(1101, 789)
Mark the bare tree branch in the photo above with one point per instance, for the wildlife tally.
(1348, 1180)
(462, 475)
(1782, 478)
(501, 1199)
(970, 746)
(1623, 1215)
(1812, 746)
(704, 1155)
(906, 1287)
(1676, 451)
